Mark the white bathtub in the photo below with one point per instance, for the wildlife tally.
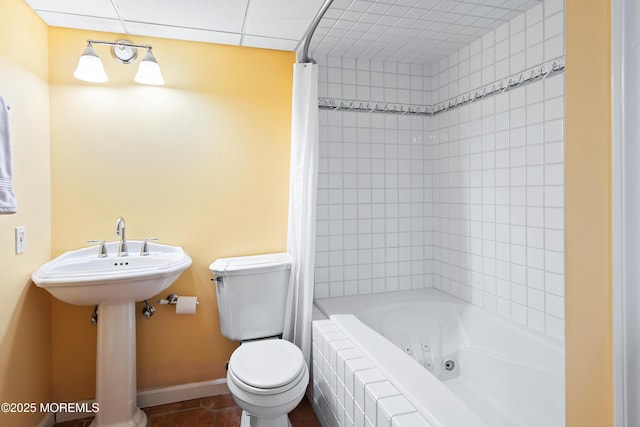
(499, 374)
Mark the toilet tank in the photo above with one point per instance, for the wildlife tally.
(252, 295)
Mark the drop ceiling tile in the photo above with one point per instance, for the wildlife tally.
(215, 15)
(95, 8)
(285, 19)
(181, 33)
(80, 22)
(269, 42)
(402, 30)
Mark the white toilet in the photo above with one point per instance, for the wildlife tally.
(266, 375)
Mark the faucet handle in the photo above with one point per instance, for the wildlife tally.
(102, 250)
(144, 250)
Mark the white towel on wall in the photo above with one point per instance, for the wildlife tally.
(7, 196)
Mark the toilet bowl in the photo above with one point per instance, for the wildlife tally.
(267, 378)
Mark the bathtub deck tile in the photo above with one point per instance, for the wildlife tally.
(348, 421)
(344, 355)
(413, 419)
(349, 401)
(334, 347)
(340, 390)
(324, 325)
(362, 378)
(358, 415)
(333, 380)
(340, 413)
(373, 393)
(390, 407)
(351, 367)
(315, 351)
(324, 367)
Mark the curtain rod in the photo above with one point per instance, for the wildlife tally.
(306, 39)
(530, 75)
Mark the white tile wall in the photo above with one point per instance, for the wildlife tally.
(470, 200)
(372, 232)
(348, 390)
(498, 176)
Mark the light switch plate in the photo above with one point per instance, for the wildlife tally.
(19, 239)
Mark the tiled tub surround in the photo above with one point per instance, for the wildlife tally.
(373, 234)
(396, 345)
(498, 175)
(471, 200)
(348, 389)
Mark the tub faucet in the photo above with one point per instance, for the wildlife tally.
(120, 231)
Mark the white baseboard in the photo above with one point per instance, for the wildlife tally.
(157, 396)
(178, 393)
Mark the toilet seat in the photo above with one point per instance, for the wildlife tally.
(267, 367)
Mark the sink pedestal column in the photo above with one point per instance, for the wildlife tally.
(116, 368)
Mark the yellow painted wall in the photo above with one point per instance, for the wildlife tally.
(588, 214)
(202, 162)
(196, 163)
(25, 334)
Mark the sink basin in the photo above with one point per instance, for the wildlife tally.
(114, 284)
(80, 277)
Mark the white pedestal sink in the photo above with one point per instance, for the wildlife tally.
(114, 283)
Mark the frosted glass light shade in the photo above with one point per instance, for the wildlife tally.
(90, 67)
(149, 71)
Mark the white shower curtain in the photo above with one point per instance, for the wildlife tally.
(301, 235)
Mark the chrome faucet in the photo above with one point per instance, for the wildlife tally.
(120, 231)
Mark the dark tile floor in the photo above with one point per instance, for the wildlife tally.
(214, 411)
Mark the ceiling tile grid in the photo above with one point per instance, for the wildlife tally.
(271, 24)
(408, 31)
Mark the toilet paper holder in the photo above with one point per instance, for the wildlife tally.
(172, 299)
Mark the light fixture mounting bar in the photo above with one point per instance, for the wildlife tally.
(138, 46)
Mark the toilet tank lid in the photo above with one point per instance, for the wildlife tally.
(250, 264)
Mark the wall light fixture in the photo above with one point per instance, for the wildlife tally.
(91, 69)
